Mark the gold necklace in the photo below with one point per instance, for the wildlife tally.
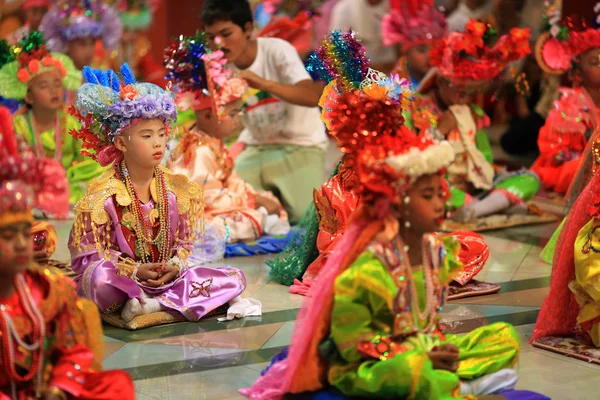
(143, 229)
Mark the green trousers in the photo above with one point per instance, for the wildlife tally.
(290, 172)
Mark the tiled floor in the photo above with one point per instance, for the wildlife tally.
(212, 360)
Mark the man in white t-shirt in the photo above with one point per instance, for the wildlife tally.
(284, 136)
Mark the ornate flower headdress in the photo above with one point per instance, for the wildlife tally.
(106, 106)
(413, 22)
(359, 104)
(200, 76)
(74, 19)
(21, 63)
(390, 167)
(27, 181)
(136, 14)
(477, 54)
(563, 41)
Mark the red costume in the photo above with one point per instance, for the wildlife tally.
(566, 138)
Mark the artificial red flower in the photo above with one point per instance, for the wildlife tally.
(23, 75)
(520, 33)
(476, 28)
(470, 44)
(34, 66)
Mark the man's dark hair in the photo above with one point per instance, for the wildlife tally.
(236, 11)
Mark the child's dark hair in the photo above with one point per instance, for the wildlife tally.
(236, 11)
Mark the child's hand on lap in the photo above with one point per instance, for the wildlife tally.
(444, 357)
(169, 273)
(146, 272)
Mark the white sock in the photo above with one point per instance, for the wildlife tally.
(494, 203)
(500, 381)
(135, 307)
(132, 309)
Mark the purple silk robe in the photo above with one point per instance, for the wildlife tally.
(198, 291)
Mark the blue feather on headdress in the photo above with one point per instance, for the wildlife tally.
(113, 80)
(127, 73)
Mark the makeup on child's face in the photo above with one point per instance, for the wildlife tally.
(46, 91)
(145, 143)
(16, 247)
(589, 67)
(425, 209)
(231, 39)
(82, 51)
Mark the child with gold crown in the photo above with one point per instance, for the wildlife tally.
(134, 231)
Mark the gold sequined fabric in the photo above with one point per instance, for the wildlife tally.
(90, 212)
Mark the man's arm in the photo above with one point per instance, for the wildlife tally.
(305, 93)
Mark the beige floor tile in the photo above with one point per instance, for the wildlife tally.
(254, 268)
(522, 275)
(505, 255)
(252, 288)
(276, 296)
(558, 378)
(112, 347)
(494, 276)
(533, 261)
(251, 338)
(217, 384)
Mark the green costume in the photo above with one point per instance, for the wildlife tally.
(365, 297)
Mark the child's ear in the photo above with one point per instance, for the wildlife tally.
(249, 29)
(28, 97)
(120, 143)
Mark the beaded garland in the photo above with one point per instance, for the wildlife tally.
(142, 227)
(410, 317)
(9, 335)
